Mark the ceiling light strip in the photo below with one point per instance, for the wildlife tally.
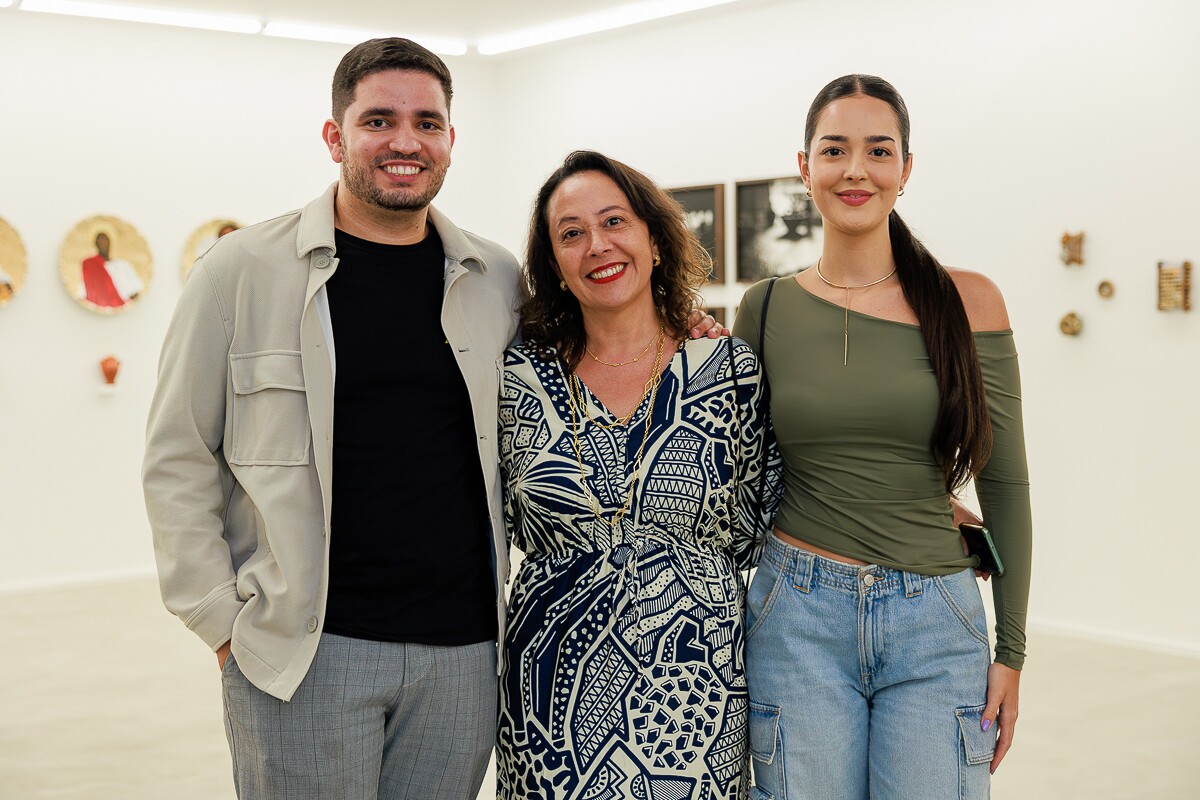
(620, 17)
(323, 33)
(154, 16)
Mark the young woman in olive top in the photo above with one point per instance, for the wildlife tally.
(893, 382)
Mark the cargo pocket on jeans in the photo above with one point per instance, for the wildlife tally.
(270, 409)
(764, 732)
(765, 751)
(978, 745)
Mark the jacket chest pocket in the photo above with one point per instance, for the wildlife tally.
(270, 409)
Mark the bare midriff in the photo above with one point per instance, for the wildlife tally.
(812, 548)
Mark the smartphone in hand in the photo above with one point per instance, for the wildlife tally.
(980, 544)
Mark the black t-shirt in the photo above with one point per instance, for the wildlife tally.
(410, 553)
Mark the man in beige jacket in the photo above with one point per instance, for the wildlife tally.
(355, 620)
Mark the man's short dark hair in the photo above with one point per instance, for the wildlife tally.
(380, 55)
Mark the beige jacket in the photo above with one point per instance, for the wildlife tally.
(239, 445)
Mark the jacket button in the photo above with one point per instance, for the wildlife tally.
(321, 263)
(312, 624)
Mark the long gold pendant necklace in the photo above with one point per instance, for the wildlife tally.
(846, 307)
(579, 413)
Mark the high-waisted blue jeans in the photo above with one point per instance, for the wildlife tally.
(865, 682)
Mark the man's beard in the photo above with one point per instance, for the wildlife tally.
(359, 179)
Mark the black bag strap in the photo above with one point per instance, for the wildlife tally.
(762, 318)
(762, 365)
(737, 432)
(732, 367)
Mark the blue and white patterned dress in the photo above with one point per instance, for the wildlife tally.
(624, 674)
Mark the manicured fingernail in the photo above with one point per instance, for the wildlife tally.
(987, 723)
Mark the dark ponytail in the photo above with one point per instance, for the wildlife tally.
(962, 435)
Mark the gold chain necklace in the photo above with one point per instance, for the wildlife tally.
(622, 421)
(846, 307)
(646, 349)
(576, 399)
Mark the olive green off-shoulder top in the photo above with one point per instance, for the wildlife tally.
(860, 479)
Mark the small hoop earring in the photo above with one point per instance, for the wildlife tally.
(809, 192)
(901, 194)
(657, 260)
(562, 285)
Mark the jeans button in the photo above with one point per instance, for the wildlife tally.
(868, 580)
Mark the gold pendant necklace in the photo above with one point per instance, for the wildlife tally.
(846, 307)
(646, 349)
(575, 400)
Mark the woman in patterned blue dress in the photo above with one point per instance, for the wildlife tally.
(632, 464)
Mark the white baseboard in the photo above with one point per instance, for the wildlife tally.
(1154, 644)
(75, 581)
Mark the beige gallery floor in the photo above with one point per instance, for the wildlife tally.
(104, 695)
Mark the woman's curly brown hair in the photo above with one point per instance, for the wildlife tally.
(551, 317)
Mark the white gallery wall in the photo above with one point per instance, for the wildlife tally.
(1029, 119)
(168, 129)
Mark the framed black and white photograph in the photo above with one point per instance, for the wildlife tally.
(704, 208)
(778, 228)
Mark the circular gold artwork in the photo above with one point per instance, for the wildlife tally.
(203, 238)
(1071, 324)
(105, 264)
(13, 262)
(1105, 289)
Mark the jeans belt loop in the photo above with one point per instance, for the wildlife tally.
(914, 584)
(804, 563)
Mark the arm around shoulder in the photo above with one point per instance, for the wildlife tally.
(746, 323)
(982, 300)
